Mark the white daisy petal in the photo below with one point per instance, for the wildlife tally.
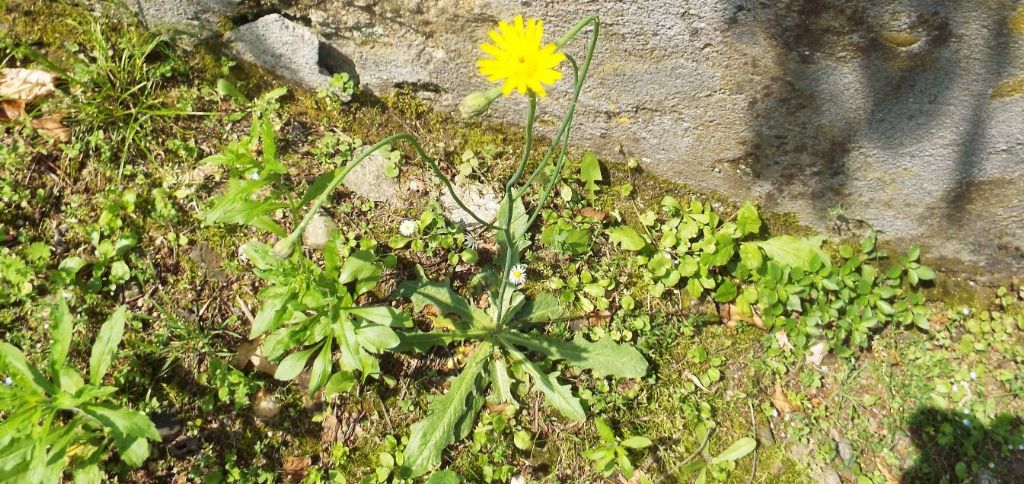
(407, 228)
(517, 275)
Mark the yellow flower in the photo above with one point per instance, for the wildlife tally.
(519, 59)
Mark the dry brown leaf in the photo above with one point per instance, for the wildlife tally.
(781, 401)
(51, 127)
(200, 174)
(245, 354)
(265, 405)
(296, 466)
(890, 478)
(25, 84)
(598, 318)
(329, 433)
(731, 316)
(816, 353)
(11, 109)
(783, 340)
(593, 213)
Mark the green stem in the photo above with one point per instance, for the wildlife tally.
(570, 113)
(509, 202)
(576, 29)
(285, 246)
(563, 130)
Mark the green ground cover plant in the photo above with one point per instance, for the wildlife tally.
(55, 420)
(721, 342)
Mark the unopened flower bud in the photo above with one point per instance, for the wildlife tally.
(477, 102)
(283, 248)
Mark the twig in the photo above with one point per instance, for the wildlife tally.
(753, 427)
(245, 309)
(707, 438)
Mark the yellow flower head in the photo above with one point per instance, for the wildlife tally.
(519, 58)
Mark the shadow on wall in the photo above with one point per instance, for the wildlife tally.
(879, 73)
(955, 447)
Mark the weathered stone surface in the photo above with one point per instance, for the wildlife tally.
(318, 232)
(885, 109)
(477, 197)
(189, 15)
(368, 180)
(281, 46)
(881, 108)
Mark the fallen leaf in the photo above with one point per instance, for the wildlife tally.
(265, 405)
(816, 353)
(199, 174)
(25, 84)
(51, 127)
(731, 316)
(296, 466)
(782, 402)
(11, 109)
(890, 478)
(695, 380)
(593, 213)
(783, 340)
(329, 433)
(598, 318)
(246, 353)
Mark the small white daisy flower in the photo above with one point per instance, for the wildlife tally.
(8, 381)
(974, 376)
(407, 228)
(517, 275)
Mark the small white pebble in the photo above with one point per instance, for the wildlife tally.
(967, 311)
(8, 381)
(967, 422)
(967, 411)
(974, 376)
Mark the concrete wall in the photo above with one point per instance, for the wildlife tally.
(883, 108)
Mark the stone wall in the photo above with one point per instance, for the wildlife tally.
(885, 109)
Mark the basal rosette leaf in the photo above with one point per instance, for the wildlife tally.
(558, 396)
(603, 357)
(430, 436)
(424, 292)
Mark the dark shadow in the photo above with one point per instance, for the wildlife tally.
(956, 447)
(905, 65)
(334, 61)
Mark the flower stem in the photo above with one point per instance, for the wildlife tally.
(592, 19)
(286, 246)
(511, 249)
